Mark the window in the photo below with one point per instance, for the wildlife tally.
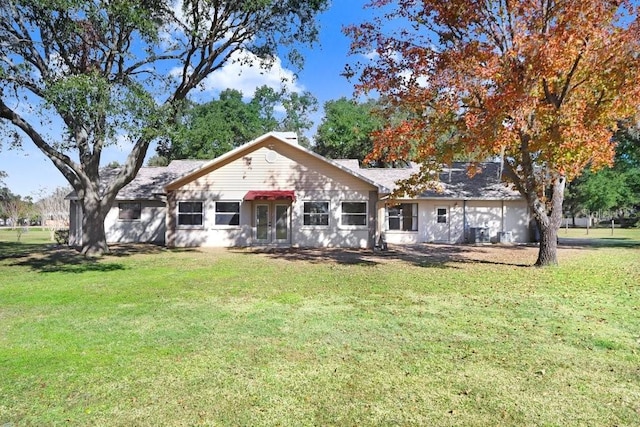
(316, 213)
(354, 213)
(441, 214)
(403, 217)
(129, 211)
(190, 213)
(227, 213)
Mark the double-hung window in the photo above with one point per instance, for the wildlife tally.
(129, 211)
(190, 214)
(316, 213)
(227, 213)
(403, 217)
(354, 213)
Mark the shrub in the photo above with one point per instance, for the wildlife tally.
(62, 236)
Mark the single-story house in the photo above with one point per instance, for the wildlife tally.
(272, 191)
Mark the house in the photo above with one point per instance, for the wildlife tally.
(272, 191)
(459, 209)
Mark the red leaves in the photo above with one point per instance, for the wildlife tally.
(481, 78)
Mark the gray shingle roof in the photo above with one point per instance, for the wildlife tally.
(151, 180)
(454, 182)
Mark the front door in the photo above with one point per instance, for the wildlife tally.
(272, 223)
(442, 224)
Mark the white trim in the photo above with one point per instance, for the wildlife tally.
(226, 226)
(316, 226)
(188, 226)
(415, 216)
(365, 214)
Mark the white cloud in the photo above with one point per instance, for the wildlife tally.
(244, 73)
(371, 55)
(420, 80)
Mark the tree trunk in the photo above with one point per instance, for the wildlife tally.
(549, 222)
(548, 251)
(94, 240)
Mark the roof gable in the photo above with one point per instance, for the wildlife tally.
(267, 140)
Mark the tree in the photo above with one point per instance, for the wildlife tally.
(211, 129)
(611, 189)
(5, 196)
(53, 209)
(539, 83)
(16, 211)
(346, 129)
(107, 69)
(297, 108)
(627, 140)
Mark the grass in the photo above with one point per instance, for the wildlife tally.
(450, 336)
(601, 233)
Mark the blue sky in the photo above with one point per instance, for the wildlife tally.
(30, 172)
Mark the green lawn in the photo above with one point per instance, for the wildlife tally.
(452, 336)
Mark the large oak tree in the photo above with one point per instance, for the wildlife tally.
(208, 130)
(346, 129)
(540, 83)
(77, 75)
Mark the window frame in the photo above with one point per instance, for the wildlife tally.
(414, 208)
(364, 214)
(121, 209)
(217, 213)
(193, 214)
(309, 215)
(445, 216)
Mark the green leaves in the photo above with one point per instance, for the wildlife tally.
(102, 71)
(211, 129)
(345, 132)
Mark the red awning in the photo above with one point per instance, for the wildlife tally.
(271, 195)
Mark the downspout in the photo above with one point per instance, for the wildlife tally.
(464, 221)
(379, 239)
(170, 220)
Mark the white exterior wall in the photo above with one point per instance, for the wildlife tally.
(279, 167)
(75, 223)
(429, 230)
(335, 234)
(510, 215)
(432, 231)
(485, 213)
(517, 220)
(150, 228)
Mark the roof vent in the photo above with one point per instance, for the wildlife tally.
(290, 137)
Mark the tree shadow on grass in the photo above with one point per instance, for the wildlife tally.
(314, 255)
(10, 250)
(421, 255)
(51, 258)
(63, 260)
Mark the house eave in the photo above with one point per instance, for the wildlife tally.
(237, 152)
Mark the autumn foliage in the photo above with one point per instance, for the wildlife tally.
(540, 83)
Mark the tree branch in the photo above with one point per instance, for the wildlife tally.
(71, 170)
